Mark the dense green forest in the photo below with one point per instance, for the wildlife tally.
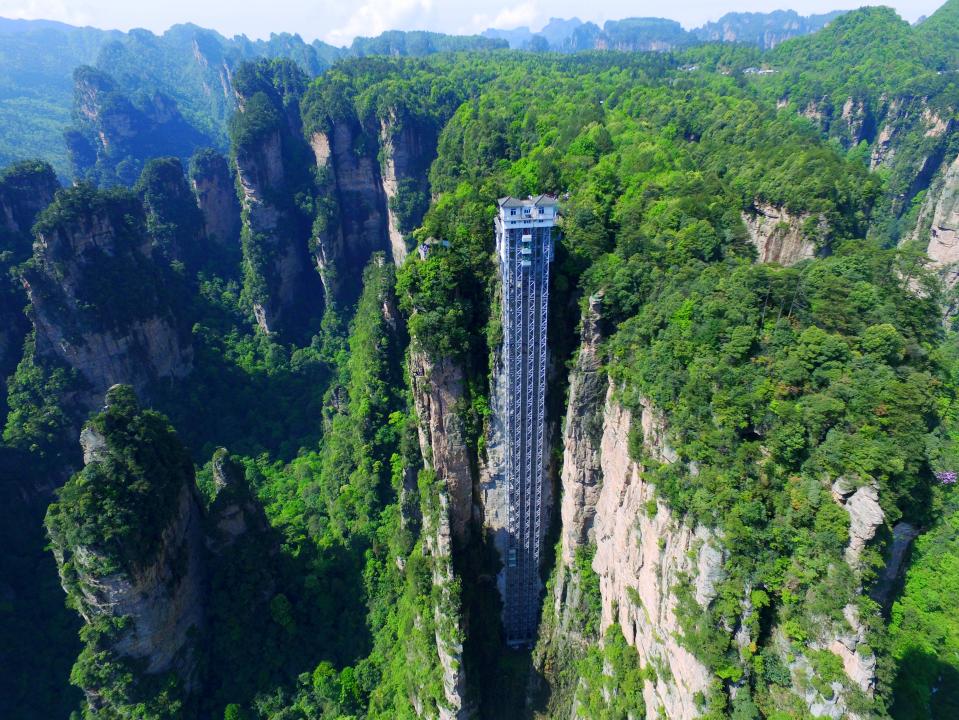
(260, 521)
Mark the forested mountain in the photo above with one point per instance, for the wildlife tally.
(253, 392)
(186, 70)
(764, 30)
(184, 75)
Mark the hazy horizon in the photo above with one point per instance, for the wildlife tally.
(339, 22)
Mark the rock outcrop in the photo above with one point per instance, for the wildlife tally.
(356, 225)
(233, 512)
(99, 303)
(215, 193)
(845, 638)
(25, 190)
(173, 220)
(939, 224)
(447, 635)
(438, 399)
(280, 282)
(865, 515)
(582, 475)
(903, 534)
(374, 177)
(778, 236)
(562, 635)
(138, 585)
(643, 552)
(114, 136)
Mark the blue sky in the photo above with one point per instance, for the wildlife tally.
(338, 21)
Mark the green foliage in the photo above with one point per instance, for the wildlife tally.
(37, 420)
(938, 34)
(611, 680)
(591, 605)
(109, 518)
(924, 632)
(776, 381)
(173, 220)
(121, 504)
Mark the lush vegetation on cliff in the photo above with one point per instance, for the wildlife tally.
(330, 591)
(113, 519)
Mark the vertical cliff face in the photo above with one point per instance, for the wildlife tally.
(446, 511)
(375, 184)
(899, 116)
(643, 555)
(938, 224)
(447, 635)
(833, 695)
(582, 472)
(215, 193)
(25, 190)
(114, 135)
(275, 254)
(272, 164)
(564, 636)
(438, 399)
(99, 303)
(408, 147)
(233, 512)
(173, 220)
(778, 236)
(127, 537)
(358, 184)
(356, 225)
(650, 569)
(397, 154)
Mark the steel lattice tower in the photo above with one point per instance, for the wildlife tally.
(524, 239)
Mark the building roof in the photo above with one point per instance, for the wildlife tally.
(534, 201)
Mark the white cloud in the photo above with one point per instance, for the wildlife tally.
(376, 16)
(69, 12)
(525, 14)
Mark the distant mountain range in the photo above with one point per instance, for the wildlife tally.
(188, 64)
(765, 30)
(187, 70)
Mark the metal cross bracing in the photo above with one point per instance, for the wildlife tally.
(525, 256)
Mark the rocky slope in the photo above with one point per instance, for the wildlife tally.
(137, 584)
(25, 190)
(373, 173)
(215, 193)
(938, 224)
(280, 281)
(438, 399)
(778, 236)
(652, 568)
(99, 303)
